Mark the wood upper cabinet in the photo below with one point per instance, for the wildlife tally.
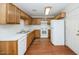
(48, 21)
(23, 15)
(27, 19)
(36, 21)
(13, 14)
(2, 13)
(9, 14)
(11, 18)
(61, 15)
(37, 33)
(17, 13)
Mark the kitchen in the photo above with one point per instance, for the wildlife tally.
(23, 23)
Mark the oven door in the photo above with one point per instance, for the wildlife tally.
(44, 33)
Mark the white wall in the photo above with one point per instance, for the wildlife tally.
(72, 27)
(9, 28)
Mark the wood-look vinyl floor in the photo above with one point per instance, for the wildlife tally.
(44, 47)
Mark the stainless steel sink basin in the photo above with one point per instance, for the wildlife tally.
(21, 32)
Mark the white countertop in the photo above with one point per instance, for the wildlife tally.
(9, 32)
(11, 37)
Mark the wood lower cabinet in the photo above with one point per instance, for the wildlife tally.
(49, 34)
(11, 47)
(37, 33)
(30, 38)
(8, 47)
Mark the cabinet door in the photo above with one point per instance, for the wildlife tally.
(30, 21)
(61, 15)
(17, 15)
(49, 34)
(26, 18)
(30, 38)
(2, 13)
(11, 19)
(33, 21)
(12, 48)
(8, 48)
(36, 21)
(48, 21)
(23, 15)
(27, 21)
(37, 33)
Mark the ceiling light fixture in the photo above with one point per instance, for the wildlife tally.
(47, 10)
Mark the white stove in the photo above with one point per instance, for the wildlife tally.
(44, 29)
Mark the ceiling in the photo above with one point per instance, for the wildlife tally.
(36, 10)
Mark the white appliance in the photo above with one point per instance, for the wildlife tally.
(22, 45)
(57, 32)
(44, 29)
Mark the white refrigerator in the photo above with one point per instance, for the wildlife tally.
(57, 32)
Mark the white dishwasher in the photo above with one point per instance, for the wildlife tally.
(22, 45)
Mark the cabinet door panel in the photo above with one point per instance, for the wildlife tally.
(11, 19)
(36, 21)
(8, 48)
(26, 18)
(30, 39)
(17, 15)
(37, 33)
(49, 34)
(2, 13)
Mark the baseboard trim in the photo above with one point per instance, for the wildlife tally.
(71, 50)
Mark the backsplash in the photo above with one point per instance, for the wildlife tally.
(13, 28)
(9, 28)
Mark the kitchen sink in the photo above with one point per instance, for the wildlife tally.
(22, 32)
